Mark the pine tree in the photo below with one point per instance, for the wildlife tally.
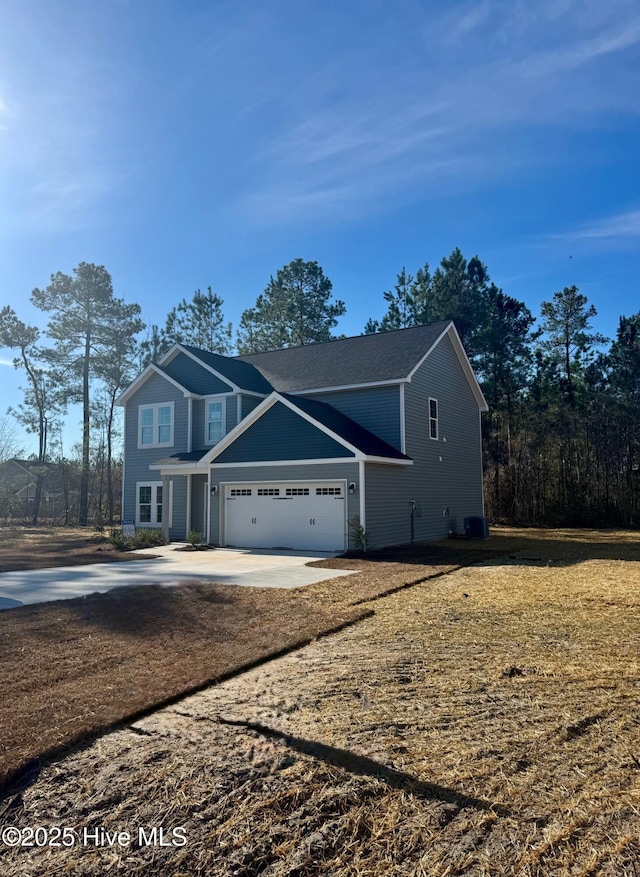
(567, 324)
(42, 402)
(295, 309)
(83, 314)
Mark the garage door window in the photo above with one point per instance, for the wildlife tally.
(297, 491)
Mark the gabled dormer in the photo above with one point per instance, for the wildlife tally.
(191, 399)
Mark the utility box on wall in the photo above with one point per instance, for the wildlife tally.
(476, 527)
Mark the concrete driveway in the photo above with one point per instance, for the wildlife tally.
(252, 568)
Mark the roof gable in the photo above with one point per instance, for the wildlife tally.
(282, 434)
(143, 377)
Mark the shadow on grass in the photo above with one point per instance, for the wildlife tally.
(147, 610)
(361, 765)
(568, 547)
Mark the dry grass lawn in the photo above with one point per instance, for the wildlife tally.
(43, 547)
(484, 722)
(70, 669)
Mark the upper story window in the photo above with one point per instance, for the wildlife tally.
(155, 425)
(214, 428)
(433, 418)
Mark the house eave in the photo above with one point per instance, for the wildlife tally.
(144, 376)
(394, 382)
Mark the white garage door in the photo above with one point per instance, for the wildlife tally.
(292, 514)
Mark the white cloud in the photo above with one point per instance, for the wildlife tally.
(391, 134)
(6, 361)
(621, 228)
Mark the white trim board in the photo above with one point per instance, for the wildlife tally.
(316, 461)
(369, 385)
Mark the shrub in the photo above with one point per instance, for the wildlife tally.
(148, 538)
(117, 539)
(194, 538)
(359, 535)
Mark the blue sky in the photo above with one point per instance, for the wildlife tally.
(190, 144)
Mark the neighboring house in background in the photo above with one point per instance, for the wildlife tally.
(284, 449)
(18, 480)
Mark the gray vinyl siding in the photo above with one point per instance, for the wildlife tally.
(231, 420)
(198, 483)
(446, 478)
(231, 413)
(321, 472)
(178, 529)
(195, 377)
(249, 403)
(281, 434)
(375, 408)
(155, 390)
(197, 439)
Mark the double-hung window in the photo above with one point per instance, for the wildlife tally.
(214, 421)
(155, 425)
(433, 419)
(149, 504)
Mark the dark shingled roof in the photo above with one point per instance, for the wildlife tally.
(243, 374)
(182, 457)
(346, 428)
(363, 359)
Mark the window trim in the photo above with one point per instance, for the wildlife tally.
(153, 523)
(208, 399)
(155, 406)
(435, 419)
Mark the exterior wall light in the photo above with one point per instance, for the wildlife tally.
(214, 489)
(352, 487)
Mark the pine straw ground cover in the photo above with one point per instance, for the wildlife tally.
(486, 722)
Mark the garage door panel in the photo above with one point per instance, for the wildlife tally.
(305, 515)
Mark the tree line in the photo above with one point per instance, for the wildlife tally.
(560, 441)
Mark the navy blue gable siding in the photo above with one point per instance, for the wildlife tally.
(281, 434)
(194, 377)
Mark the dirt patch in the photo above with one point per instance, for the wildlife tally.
(47, 547)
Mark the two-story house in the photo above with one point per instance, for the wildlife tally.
(285, 449)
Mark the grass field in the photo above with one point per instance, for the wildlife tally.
(484, 722)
